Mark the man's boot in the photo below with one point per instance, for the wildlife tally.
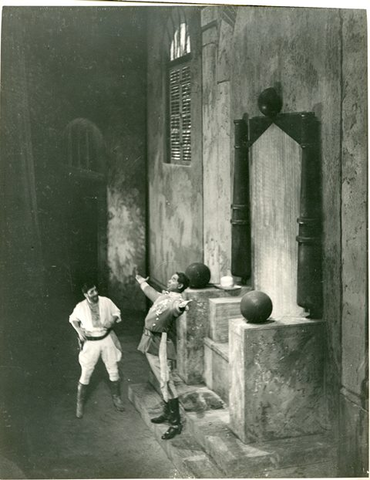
(81, 395)
(165, 415)
(175, 420)
(116, 396)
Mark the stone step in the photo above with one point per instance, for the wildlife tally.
(221, 310)
(183, 450)
(216, 367)
(208, 421)
(310, 456)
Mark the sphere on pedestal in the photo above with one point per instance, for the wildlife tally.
(198, 274)
(256, 306)
(270, 102)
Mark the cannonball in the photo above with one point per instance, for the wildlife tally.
(270, 102)
(198, 274)
(256, 306)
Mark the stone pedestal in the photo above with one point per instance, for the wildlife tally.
(216, 368)
(221, 310)
(277, 378)
(192, 328)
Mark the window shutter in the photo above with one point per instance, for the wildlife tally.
(180, 114)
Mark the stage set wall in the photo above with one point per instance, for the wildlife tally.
(175, 191)
(60, 64)
(319, 64)
(316, 58)
(87, 63)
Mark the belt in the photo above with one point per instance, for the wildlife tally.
(149, 333)
(99, 338)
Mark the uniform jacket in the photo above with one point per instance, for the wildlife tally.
(159, 319)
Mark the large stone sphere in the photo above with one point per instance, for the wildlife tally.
(270, 102)
(256, 307)
(198, 274)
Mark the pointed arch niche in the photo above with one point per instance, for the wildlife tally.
(276, 214)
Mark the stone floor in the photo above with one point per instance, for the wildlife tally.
(41, 438)
(39, 434)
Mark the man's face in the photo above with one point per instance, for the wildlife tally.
(92, 295)
(173, 283)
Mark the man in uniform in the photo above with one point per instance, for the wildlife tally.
(159, 348)
(93, 320)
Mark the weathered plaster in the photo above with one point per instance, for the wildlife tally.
(354, 421)
(175, 191)
(93, 70)
(299, 51)
(354, 202)
(277, 379)
(216, 142)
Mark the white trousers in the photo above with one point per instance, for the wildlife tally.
(168, 388)
(110, 352)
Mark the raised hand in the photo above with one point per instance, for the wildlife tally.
(184, 305)
(141, 279)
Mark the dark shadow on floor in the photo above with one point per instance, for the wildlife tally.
(40, 435)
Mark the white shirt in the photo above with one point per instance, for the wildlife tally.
(82, 314)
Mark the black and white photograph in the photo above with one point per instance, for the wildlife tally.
(184, 239)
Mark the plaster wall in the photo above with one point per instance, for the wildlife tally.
(217, 136)
(317, 58)
(354, 379)
(89, 63)
(299, 51)
(175, 191)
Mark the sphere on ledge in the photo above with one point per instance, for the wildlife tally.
(269, 102)
(256, 306)
(198, 274)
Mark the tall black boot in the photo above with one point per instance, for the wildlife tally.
(116, 395)
(175, 420)
(165, 415)
(81, 395)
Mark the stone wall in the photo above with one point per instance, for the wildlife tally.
(87, 63)
(354, 378)
(217, 140)
(299, 52)
(317, 60)
(175, 191)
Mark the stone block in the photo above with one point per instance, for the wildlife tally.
(277, 379)
(221, 310)
(305, 456)
(216, 367)
(192, 328)
(210, 449)
(184, 451)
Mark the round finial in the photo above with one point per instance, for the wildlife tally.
(256, 306)
(198, 274)
(269, 102)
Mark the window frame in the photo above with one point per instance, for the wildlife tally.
(183, 61)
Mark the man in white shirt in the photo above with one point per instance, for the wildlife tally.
(93, 320)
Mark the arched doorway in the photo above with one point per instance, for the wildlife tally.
(85, 204)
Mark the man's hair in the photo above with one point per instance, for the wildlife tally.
(184, 280)
(88, 286)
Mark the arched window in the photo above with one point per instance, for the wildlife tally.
(84, 145)
(179, 89)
